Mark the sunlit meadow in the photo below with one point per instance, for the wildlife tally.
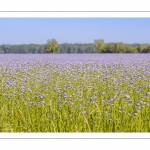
(75, 93)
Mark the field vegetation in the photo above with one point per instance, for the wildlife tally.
(75, 93)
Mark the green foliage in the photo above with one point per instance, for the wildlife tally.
(77, 48)
(52, 46)
(110, 48)
(1, 51)
(99, 45)
(144, 48)
(31, 48)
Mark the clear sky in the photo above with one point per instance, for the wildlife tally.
(74, 30)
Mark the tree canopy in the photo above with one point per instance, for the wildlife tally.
(52, 46)
(98, 46)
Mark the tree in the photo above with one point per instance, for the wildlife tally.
(52, 46)
(1, 51)
(99, 45)
(110, 48)
(120, 47)
(131, 49)
(145, 48)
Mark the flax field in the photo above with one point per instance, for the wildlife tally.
(75, 93)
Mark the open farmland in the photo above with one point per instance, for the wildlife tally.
(75, 93)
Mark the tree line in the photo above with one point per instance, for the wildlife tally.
(98, 46)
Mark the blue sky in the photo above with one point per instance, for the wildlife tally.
(74, 30)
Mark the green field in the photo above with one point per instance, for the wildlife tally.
(75, 93)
